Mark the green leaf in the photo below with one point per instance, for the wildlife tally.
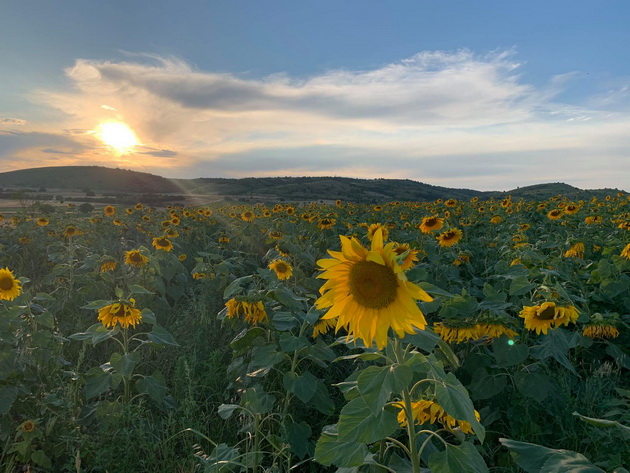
(8, 395)
(244, 339)
(97, 382)
(555, 344)
(321, 399)
(154, 386)
(357, 422)
(376, 383)
(225, 411)
(604, 423)
(487, 386)
(520, 285)
(303, 386)
(290, 343)
(462, 458)
(222, 459)
(96, 305)
(258, 401)
(331, 451)
(162, 336)
(124, 364)
(235, 286)
(88, 334)
(148, 316)
(434, 290)
(426, 340)
(298, 436)
(533, 384)
(538, 459)
(102, 333)
(284, 321)
(453, 397)
(508, 355)
(41, 459)
(137, 289)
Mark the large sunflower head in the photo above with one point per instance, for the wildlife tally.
(162, 243)
(109, 211)
(425, 411)
(368, 292)
(431, 224)
(282, 269)
(541, 318)
(135, 258)
(450, 237)
(252, 311)
(248, 216)
(10, 287)
(122, 312)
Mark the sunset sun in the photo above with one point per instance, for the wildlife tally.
(118, 136)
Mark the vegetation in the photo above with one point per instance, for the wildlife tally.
(447, 336)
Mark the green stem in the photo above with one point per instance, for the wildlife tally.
(411, 431)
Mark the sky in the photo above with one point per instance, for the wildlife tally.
(487, 95)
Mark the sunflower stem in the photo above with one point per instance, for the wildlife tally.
(406, 396)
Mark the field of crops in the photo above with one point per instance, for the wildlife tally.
(447, 336)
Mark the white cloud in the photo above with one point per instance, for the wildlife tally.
(447, 118)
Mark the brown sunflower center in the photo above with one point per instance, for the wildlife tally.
(449, 236)
(547, 314)
(162, 242)
(135, 257)
(430, 222)
(6, 283)
(281, 267)
(372, 285)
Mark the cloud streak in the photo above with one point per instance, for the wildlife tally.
(449, 118)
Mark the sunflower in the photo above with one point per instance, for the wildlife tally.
(71, 231)
(571, 209)
(457, 331)
(322, 326)
(600, 331)
(450, 237)
(122, 312)
(199, 275)
(224, 239)
(368, 292)
(135, 258)
(248, 216)
(42, 221)
(109, 211)
(374, 227)
(10, 287)
(275, 235)
(409, 260)
(109, 265)
(461, 259)
(431, 224)
(555, 214)
(139, 206)
(594, 219)
(282, 269)
(625, 253)
(496, 219)
(450, 203)
(252, 311)
(24, 240)
(576, 251)
(28, 426)
(118, 222)
(162, 243)
(495, 330)
(182, 257)
(542, 317)
(425, 411)
(325, 223)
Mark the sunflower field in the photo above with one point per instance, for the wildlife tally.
(444, 336)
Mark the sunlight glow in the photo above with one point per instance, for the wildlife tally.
(118, 136)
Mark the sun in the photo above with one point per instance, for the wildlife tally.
(118, 136)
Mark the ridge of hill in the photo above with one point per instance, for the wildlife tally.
(112, 181)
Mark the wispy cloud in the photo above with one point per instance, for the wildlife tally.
(12, 121)
(450, 118)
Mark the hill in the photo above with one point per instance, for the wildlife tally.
(129, 185)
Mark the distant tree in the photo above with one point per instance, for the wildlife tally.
(59, 198)
(89, 193)
(86, 208)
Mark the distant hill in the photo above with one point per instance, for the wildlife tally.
(121, 181)
(94, 178)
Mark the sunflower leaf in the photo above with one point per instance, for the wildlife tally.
(454, 398)
(462, 458)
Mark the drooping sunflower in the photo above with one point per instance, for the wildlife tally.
(541, 318)
(425, 411)
(600, 331)
(625, 253)
(135, 258)
(122, 312)
(282, 269)
(162, 243)
(495, 330)
(576, 251)
(109, 265)
(368, 292)
(323, 326)
(109, 211)
(431, 224)
(374, 227)
(457, 331)
(10, 287)
(252, 311)
(449, 237)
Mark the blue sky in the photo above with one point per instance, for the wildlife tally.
(488, 95)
